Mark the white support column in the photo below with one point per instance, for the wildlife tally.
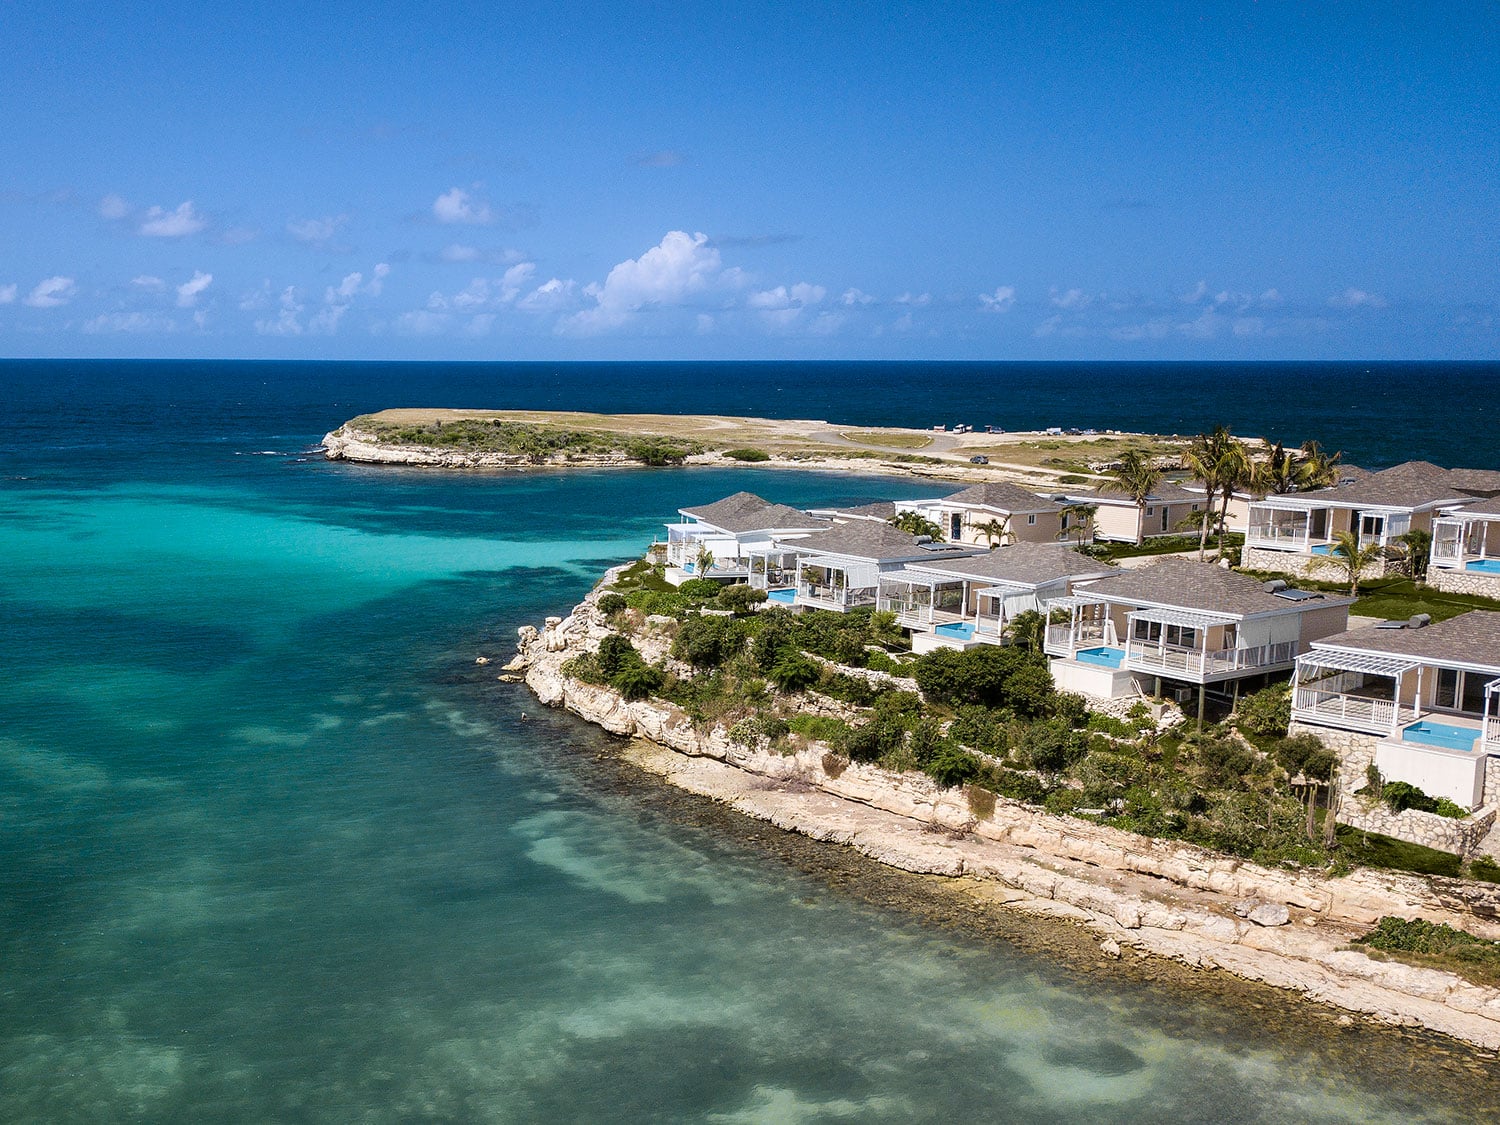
(1416, 703)
(1396, 703)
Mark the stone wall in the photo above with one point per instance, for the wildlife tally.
(1356, 751)
(1464, 582)
(1290, 562)
(1459, 837)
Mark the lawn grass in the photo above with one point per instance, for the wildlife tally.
(888, 439)
(1392, 598)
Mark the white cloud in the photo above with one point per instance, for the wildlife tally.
(782, 306)
(422, 323)
(148, 282)
(179, 223)
(189, 291)
(1072, 299)
(915, 300)
(136, 322)
(239, 236)
(679, 266)
(457, 206)
(853, 297)
(287, 322)
(1199, 292)
(1001, 300)
(480, 325)
(1357, 299)
(316, 232)
(51, 293)
(456, 252)
(7, 294)
(113, 207)
(550, 296)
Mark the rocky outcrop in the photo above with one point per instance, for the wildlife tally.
(1287, 928)
(348, 443)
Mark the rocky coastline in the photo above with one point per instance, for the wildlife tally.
(1285, 928)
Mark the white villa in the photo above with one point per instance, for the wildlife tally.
(1466, 550)
(958, 603)
(839, 568)
(1287, 533)
(728, 529)
(995, 512)
(1426, 697)
(1118, 519)
(1184, 623)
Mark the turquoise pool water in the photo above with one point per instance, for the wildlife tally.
(1446, 735)
(1104, 656)
(783, 597)
(1322, 549)
(1485, 566)
(956, 630)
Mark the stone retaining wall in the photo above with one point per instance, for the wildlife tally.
(1458, 837)
(1464, 582)
(1297, 565)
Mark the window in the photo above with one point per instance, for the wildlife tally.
(1460, 691)
(1031, 519)
(1155, 632)
(1151, 511)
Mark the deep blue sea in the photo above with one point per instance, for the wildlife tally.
(274, 848)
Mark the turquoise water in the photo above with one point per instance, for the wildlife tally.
(787, 596)
(961, 630)
(273, 847)
(1485, 566)
(1446, 735)
(1103, 656)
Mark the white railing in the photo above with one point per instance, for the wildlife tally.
(1279, 538)
(1358, 712)
(1492, 735)
(837, 597)
(1175, 658)
(1084, 635)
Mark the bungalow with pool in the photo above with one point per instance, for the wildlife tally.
(992, 513)
(1466, 550)
(839, 568)
(1287, 533)
(962, 602)
(1420, 700)
(726, 530)
(1184, 625)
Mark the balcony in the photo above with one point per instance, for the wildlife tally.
(1196, 664)
(1064, 640)
(837, 598)
(1350, 711)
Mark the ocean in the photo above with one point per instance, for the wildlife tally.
(273, 847)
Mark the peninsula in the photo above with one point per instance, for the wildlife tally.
(521, 439)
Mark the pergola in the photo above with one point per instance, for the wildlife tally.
(1341, 700)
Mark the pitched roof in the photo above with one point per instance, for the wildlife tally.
(1168, 492)
(1477, 482)
(1469, 638)
(879, 510)
(1188, 584)
(1490, 507)
(866, 539)
(1026, 564)
(1412, 484)
(745, 511)
(1001, 496)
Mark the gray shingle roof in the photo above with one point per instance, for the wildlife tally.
(879, 510)
(1490, 507)
(745, 511)
(1477, 482)
(866, 539)
(1203, 586)
(1002, 496)
(1168, 492)
(1470, 638)
(1413, 484)
(1026, 564)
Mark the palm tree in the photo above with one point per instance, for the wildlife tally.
(1317, 469)
(1137, 476)
(704, 560)
(1080, 518)
(996, 531)
(1415, 546)
(914, 523)
(1216, 459)
(1348, 558)
(1238, 473)
(1277, 475)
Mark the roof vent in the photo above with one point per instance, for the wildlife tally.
(1419, 621)
(1391, 625)
(1289, 595)
(924, 539)
(1275, 585)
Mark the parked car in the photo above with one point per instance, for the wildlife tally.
(979, 459)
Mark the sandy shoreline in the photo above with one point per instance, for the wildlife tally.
(1287, 929)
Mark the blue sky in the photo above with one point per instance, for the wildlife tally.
(756, 180)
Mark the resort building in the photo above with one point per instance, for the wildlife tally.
(993, 513)
(1287, 533)
(958, 603)
(1466, 550)
(1184, 625)
(724, 532)
(1422, 701)
(1118, 519)
(839, 568)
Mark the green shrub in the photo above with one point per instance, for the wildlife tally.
(952, 766)
(1305, 754)
(700, 589)
(741, 599)
(1486, 869)
(1267, 712)
(706, 642)
(794, 672)
(747, 455)
(611, 604)
(1400, 796)
(824, 728)
(987, 675)
(637, 681)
